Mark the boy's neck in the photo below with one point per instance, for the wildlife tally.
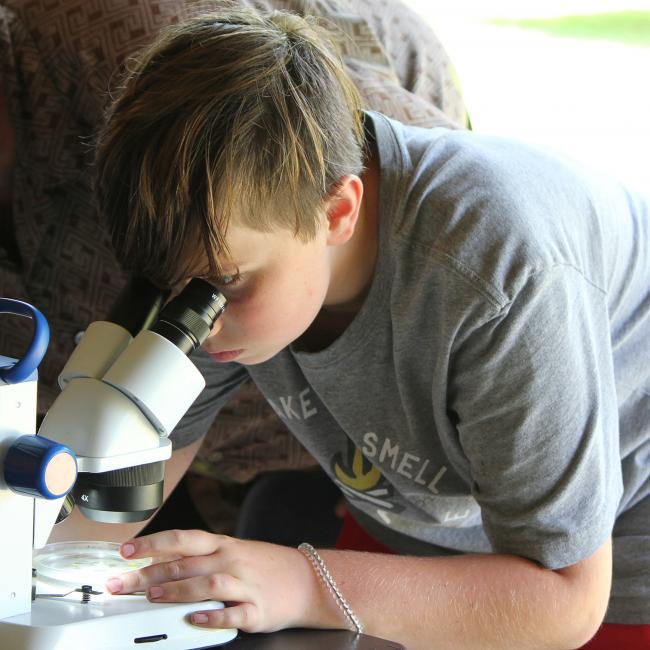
(352, 269)
(353, 264)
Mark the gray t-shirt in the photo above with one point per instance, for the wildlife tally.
(493, 392)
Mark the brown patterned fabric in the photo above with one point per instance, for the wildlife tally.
(58, 60)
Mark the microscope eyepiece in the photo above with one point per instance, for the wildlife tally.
(186, 320)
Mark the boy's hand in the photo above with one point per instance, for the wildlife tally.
(266, 587)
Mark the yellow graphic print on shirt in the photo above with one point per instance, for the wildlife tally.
(358, 479)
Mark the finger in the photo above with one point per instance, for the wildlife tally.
(157, 559)
(166, 557)
(156, 574)
(217, 586)
(173, 543)
(243, 616)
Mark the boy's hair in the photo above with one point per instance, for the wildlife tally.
(234, 116)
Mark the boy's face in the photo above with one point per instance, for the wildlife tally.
(281, 287)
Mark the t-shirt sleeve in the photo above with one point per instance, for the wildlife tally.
(221, 381)
(533, 395)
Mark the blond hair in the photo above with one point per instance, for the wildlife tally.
(231, 116)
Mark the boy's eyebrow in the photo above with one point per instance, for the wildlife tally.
(227, 267)
(231, 268)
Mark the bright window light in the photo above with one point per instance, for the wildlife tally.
(568, 74)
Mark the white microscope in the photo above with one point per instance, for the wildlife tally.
(101, 446)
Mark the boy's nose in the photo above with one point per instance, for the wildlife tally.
(216, 328)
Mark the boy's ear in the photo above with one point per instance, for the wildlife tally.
(342, 210)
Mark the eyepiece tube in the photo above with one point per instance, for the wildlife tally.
(187, 320)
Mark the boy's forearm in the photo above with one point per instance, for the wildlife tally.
(471, 601)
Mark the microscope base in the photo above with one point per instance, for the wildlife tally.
(109, 623)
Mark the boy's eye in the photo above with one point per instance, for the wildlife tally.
(222, 281)
(228, 280)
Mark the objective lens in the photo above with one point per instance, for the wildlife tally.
(122, 495)
(187, 320)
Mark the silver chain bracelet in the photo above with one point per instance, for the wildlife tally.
(312, 555)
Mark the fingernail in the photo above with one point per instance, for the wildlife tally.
(128, 550)
(155, 592)
(199, 618)
(114, 585)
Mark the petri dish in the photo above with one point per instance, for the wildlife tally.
(83, 563)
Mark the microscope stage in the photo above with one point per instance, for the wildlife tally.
(71, 564)
(72, 607)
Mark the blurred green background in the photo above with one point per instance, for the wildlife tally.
(567, 74)
(632, 27)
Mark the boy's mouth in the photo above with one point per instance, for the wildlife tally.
(225, 356)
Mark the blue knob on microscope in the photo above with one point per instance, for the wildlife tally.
(39, 467)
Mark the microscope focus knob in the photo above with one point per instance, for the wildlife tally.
(39, 467)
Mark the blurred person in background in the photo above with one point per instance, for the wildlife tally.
(59, 60)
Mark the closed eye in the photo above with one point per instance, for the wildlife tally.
(228, 280)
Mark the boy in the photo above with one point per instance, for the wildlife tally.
(455, 326)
